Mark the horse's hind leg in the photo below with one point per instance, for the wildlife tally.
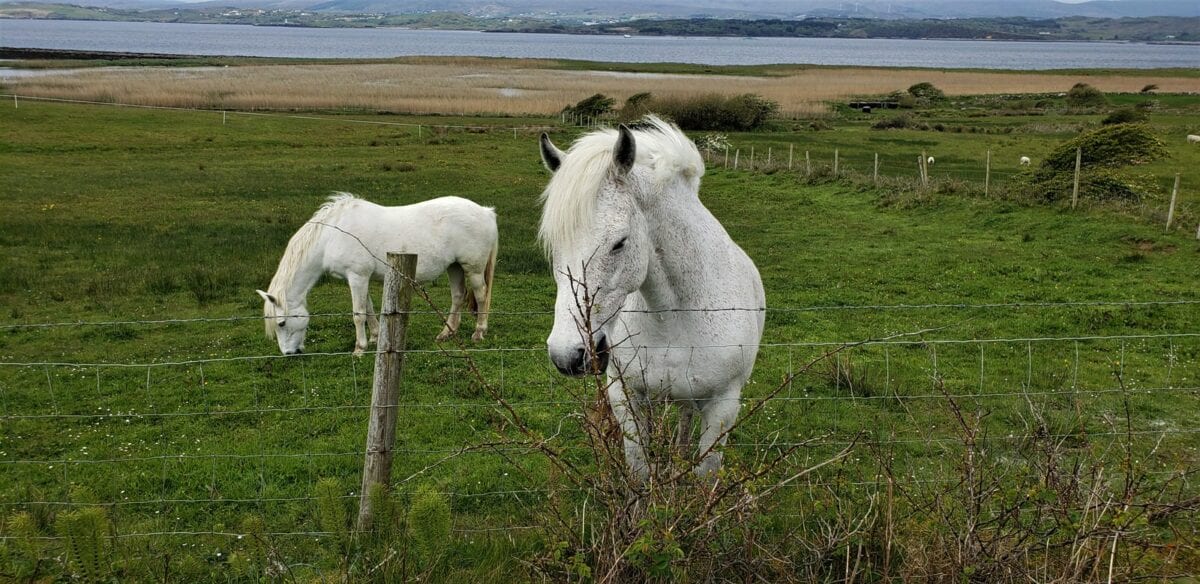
(479, 288)
(458, 297)
(360, 299)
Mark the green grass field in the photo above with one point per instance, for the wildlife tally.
(186, 428)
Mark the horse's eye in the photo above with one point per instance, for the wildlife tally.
(282, 323)
(620, 244)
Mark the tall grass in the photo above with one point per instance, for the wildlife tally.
(513, 87)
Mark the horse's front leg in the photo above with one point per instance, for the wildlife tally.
(629, 408)
(687, 411)
(717, 417)
(372, 320)
(360, 299)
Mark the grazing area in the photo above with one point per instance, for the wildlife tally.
(951, 385)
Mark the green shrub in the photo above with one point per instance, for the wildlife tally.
(331, 508)
(86, 532)
(592, 107)
(717, 112)
(636, 106)
(819, 125)
(1084, 95)
(1108, 147)
(24, 555)
(1105, 155)
(900, 122)
(429, 523)
(926, 93)
(1124, 115)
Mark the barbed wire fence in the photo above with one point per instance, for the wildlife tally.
(53, 411)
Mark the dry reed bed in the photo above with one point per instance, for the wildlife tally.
(516, 87)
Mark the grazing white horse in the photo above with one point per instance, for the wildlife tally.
(1025, 161)
(929, 160)
(1193, 139)
(673, 307)
(349, 238)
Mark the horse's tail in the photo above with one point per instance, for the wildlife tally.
(489, 271)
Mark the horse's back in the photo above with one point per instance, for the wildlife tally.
(439, 231)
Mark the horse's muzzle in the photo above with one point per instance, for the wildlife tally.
(577, 364)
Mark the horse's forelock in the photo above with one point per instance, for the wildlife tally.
(569, 200)
(269, 324)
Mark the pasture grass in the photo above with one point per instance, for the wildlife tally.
(199, 430)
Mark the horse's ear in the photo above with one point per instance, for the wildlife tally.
(267, 297)
(551, 155)
(626, 151)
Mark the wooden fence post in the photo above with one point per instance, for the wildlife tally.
(1075, 188)
(385, 390)
(875, 175)
(807, 164)
(769, 150)
(835, 162)
(987, 173)
(791, 150)
(751, 165)
(736, 154)
(1171, 209)
(726, 157)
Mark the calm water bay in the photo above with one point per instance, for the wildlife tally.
(218, 39)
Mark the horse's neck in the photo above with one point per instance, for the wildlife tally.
(304, 274)
(686, 236)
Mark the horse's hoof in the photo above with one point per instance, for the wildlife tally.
(478, 336)
(444, 335)
(358, 351)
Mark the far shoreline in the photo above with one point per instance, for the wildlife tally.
(122, 42)
(627, 35)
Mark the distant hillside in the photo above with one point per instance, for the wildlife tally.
(579, 11)
(1159, 28)
(1074, 28)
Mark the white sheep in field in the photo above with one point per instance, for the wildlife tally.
(929, 161)
(1025, 161)
(1193, 139)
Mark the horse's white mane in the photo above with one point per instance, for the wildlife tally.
(569, 201)
(296, 253)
